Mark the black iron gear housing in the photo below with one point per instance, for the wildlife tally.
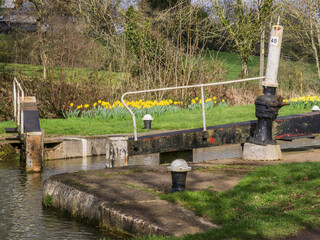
(267, 107)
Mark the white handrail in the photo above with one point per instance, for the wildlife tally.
(181, 87)
(18, 114)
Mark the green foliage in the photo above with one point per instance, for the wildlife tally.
(243, 26)
(118, 112)
(71, 113)
(57, 74)
(223, 104)
(8, 153)
(289, 78)
(232, 63)
(134, 34)
(47, 201)
(139, 35)
(5, 40)
(270, 202)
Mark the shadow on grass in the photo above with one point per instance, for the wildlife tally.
(270, 202)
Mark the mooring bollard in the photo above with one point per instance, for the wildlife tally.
(117, 152)
(147, 119)
(179, 169)
(315, 108)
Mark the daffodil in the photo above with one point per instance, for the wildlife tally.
(71, 104)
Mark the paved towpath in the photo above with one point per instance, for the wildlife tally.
(120, 197)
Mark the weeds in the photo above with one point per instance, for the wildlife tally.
(47, 201)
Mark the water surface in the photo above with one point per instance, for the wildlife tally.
(22, 215)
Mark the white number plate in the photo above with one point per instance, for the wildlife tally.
(274, 40)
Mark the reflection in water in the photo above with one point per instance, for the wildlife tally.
(21, 213)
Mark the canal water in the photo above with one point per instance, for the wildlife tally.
(22, 215)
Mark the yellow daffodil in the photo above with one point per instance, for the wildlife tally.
(71, 104)
(86, 105)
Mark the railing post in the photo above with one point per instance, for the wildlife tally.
(18, 110)
(14, 101)
(203, 110)
(22, 114)
(133, 118)
(180, 87)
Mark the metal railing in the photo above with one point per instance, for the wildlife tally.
(18, 114)
(181, 87)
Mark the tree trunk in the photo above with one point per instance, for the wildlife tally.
(314, 48)
(244, 67)
(318, 38)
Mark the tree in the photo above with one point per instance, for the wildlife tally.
(303, 22)
(243, 21)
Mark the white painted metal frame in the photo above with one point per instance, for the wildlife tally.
(181, 87)
(18, 114)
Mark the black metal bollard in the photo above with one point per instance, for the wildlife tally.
(178, 181)
(147, 121)
(147, 124)
(179, 169)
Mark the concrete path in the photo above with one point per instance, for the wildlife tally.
(125, 199)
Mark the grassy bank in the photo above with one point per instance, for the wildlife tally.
(232, 63)
(183, 119)
(57, 73)
(269, 203)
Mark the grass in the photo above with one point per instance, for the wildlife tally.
(232, 63)
(270, 202)
(56, 73)
(183, 119)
